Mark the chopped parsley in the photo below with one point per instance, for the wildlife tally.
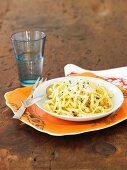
(81, 100)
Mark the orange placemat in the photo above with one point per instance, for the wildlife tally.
(43, 122)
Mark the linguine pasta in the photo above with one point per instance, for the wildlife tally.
(78, 98)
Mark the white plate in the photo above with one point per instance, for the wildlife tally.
(117, 97)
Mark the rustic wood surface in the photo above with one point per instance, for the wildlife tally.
(91, 34)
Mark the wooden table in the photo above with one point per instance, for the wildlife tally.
(91, 34)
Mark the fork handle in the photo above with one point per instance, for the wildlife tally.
(20, 112)
(29, 102)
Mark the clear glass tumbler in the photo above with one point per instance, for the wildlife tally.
(29, 52)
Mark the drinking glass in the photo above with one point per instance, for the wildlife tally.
(29, 52)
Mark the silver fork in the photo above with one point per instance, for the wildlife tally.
(22, 109)
(30, 101)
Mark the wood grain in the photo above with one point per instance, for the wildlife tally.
(91, 34)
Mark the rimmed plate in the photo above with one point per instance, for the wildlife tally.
(117, 97)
